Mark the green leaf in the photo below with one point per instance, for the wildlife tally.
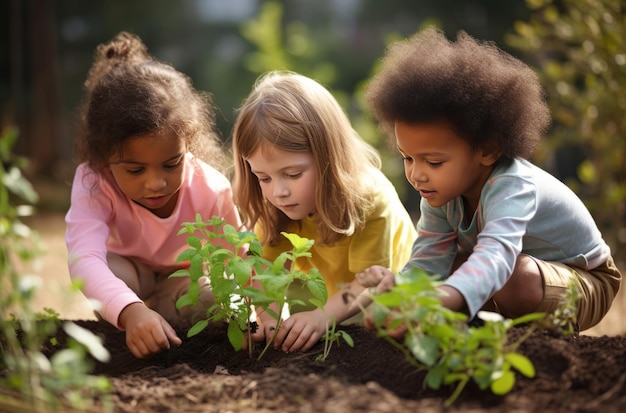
(347, 338)
(503, 384)
(299, 243)
(15, 182)
(256, 248)
(197, 328)
(317, 287)
(380, 314)
(424, 348)
(184, 301)
(521, 363)
(186, 255)
(279, 263)
(450, 378)
(317, 303)
(483, 378)
(241, 270)
(391, 299)
(274, 284)
(220, 254)
(435, 376)
(92, 342)
(179, 273)
(194, 242)
(235, 336)
(527, 318)
(196, 267)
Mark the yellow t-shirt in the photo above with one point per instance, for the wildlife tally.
(385, 240)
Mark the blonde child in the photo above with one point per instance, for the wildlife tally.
(504, 234)
(140, 176)
(301, 168)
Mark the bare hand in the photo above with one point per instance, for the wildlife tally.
(147, 332)
(396, 333)
(380, 279)
(301, 331)
(376, 276)
(265, 330)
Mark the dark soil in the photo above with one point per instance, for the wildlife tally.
(205, 374)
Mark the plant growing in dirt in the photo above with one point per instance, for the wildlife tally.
(334, 336)
(217, 254)
(240, 279)
(564, 320)
(442, 342)
(276, 278)
(31, 381)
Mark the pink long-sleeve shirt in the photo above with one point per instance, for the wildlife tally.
(102, 219)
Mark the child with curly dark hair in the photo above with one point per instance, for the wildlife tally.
(150, 159)
(504, 234)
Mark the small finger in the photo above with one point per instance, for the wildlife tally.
(171, 337)
(368, 278)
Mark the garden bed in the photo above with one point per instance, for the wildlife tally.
(205, 374)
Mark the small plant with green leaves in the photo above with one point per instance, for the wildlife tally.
(334, 336)
(217, 254)
(564, 320)
(239, 281)
(276, 278)
(31, 381)
(441, 342)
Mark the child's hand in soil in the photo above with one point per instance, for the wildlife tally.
(301, 331)
(147, 332)
(380, 279)
(264, 331)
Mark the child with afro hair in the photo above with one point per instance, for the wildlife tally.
(503, 234)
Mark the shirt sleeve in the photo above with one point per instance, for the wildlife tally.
(86, 236)
(507, 206)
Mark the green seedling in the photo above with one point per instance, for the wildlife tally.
(334, 336)
(218, 255)
(276, 278)
(239, 279)
(565, 319)
(441, 342)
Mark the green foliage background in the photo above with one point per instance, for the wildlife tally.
(577, 47)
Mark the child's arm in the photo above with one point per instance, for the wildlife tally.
(382, 279)
(147, 332)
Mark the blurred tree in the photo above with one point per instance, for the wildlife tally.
(292, 46)
(580, 47)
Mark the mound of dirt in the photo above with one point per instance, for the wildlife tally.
(205, 374)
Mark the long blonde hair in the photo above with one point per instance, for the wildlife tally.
(295, 113)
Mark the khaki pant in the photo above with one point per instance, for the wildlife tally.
(597, 288)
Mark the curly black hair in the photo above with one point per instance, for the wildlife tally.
(490, 98)
(129, 93)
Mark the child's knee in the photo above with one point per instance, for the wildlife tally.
(524, 291)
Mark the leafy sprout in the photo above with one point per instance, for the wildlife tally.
(442, 342)
(229, 262)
